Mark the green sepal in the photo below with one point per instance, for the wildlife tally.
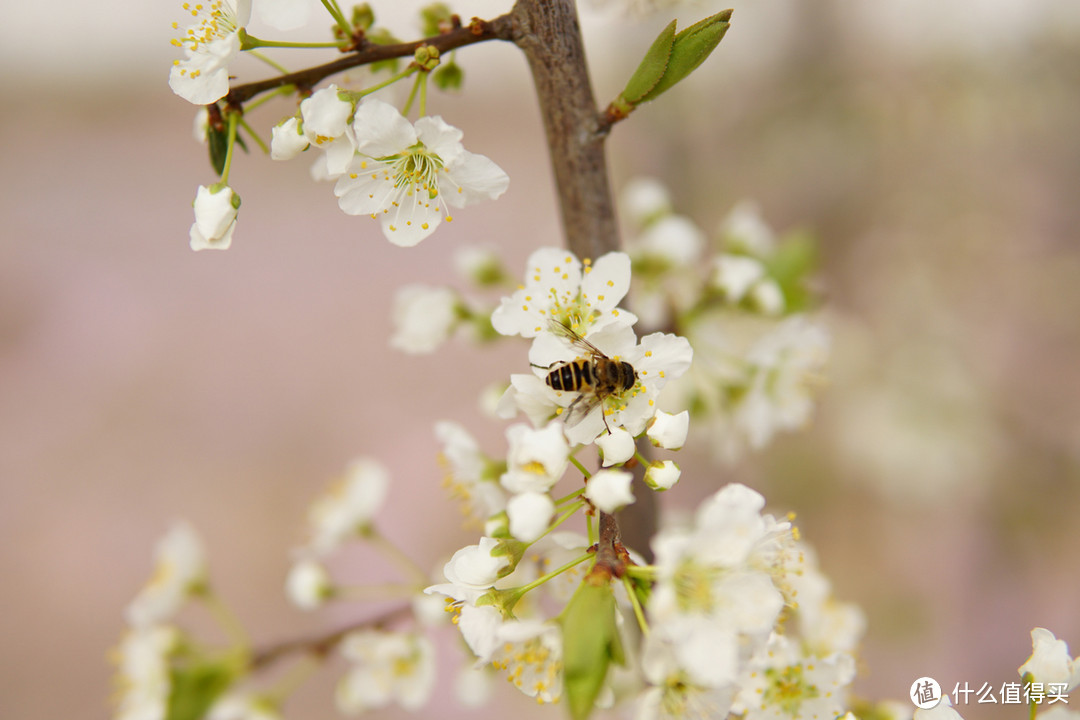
(195, 688)
(652, 67)
(449, 76)
(590, 644)
(511, 548)
(689, 49)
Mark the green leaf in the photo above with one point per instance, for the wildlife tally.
(789, 266)
(689, 49)
(652, 67)
(195, 688)
(363, 17)
(433, 17)
(590, 643)
(448, 76)
(218, 143)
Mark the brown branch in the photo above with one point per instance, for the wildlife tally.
(548, 33)
(476, 31)
(321, 645)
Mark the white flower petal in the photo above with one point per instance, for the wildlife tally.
(609, 490)
(440, 138)
(616, 447)
(381, 130)
(529, 513)
(287, 141)
(472, 178)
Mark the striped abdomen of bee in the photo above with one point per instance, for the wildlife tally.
(598, 374)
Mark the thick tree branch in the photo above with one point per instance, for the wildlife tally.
(548, 32)
(476, 31)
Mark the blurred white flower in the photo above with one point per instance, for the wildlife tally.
(536, 459)
(406, 175)
(179, 572)
(530, 653)
(470, 476)
(308, 584)
(673, 240)
(387, 667)
(942, 711)
(423, 317)
(671, 694)
(643, 200)
(784, 683)
(349, 506)
(143, 676)
(744, 229)
(243, 706)
(734, 275)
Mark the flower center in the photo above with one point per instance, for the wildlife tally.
(417, 166)
(787, 689)
(212, 22)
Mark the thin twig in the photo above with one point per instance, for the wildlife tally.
(322, 645)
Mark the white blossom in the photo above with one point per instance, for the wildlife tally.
(179, 572)
(388, 667)
(559, 288)
(475, 567)
(616, 447)
(287, 139)
(669, 431)
(423, 318)
(768, 298)
(609, 490)
(1050, 661)
(308, 584)
(469, 475)
(643, 200)
(530, 513)
(671, 693)
(210, 43)
(473, 686)
(744, 229)
(673, 240)
(349, 506)
(215, 218)
(530, 653)
(662, 475)
(536, 459)
(407, 175)
(143, 677)
(734, 275)
(784, 683)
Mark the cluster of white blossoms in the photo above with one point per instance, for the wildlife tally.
(406, 175)
(743, 307)
(570, 310)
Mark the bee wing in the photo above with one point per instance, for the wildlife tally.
(557, 328)
(580, 409)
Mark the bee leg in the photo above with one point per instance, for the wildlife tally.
(543, 367)
(603, 416)
(570, 408)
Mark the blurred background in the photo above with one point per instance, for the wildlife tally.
(933, 149)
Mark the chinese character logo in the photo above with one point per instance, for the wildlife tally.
(925, 693)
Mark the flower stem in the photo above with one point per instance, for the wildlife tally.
(422, 78)
(269, 61)
(563, 518)
(383, 591)
(579, 466)
(339, 17)
(255, 136)
(296, 676)
(284, 90)
(234, 631)
(571, 496)
(554, 573)
(395, 555)
(254, 42)
(636, 602)
(412, 95)
(400, 76)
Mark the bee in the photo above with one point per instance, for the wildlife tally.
(594, 376)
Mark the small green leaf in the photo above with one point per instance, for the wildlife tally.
(652, 67)
(449, 76)
(689, 49)
(590, 643)
(795, 259)
(363, 16)
(434, 17)
(195, 688)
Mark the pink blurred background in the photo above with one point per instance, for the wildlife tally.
(934, 152)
